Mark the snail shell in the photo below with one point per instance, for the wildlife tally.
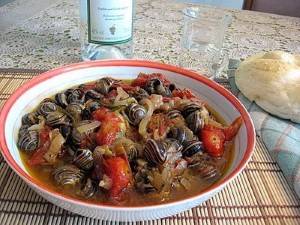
(195, 121)
(131, 151)
(92, 94)
(68, 175)
(29, 140)
(23, 130)
(178, 133)
(88, 190)
(75, 96)
(30, 119)
(75, 110)
(207, 171)
(85, 114)
(190, 108)
(135, 113)
(155, 152)
(140, 94)
(174, 114)
(65, 130)
(142, 182)
(192, 147)
(84, 159)
(156, 86)
(46, 107)
(57, 118)
(61, 99)
(104, 84)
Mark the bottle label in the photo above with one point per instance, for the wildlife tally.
(110, 21)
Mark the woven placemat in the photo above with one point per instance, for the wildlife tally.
(259, 195)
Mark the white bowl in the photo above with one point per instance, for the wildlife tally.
(30, 94)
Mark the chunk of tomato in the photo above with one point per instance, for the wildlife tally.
(232, 130)
(101, 114)
(117, 169)
(142, 79)
(110, 126)
(107, 133)
(37, 157)
(213, 140)
(214, 137)
(183, 93)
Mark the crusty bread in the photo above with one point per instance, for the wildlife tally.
(272, 80)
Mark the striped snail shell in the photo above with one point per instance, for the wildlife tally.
(30, 119)
(172, 114)
(88, 189)
(75, 110)
(61, 99)
(190, 108)
(92, 94)
(178, 133)
(84, 159)
(57, 118)
(140, 94)
(104, 84)
(68, 175)
(203, 165)
(192, 147)
(207, 171)
(156, 86)
(29, 140)
(75, 95)
(155, 152)
(46, 107)
(23, 130)
(195, 121)
(135, 113)
(131, 151)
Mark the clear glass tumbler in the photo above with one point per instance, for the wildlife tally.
(202, 40)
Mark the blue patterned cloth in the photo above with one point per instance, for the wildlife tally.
(281, 137)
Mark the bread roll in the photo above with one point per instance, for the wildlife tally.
(272, 80)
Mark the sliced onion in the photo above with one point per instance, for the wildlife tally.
(121, 94)
(186, 183)
(57, 141)
(157, 180)
(106, 183)
(38, 126)
(124, 141)
(124, 102)
(157, 100)
(85, 128)
(214, 123)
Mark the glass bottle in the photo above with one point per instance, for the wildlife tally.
(106, 29)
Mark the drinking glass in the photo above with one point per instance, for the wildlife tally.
(202, 40)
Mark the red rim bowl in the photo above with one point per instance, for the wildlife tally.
(128, 63)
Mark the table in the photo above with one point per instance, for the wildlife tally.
(260, 195)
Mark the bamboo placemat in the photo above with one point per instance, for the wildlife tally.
(259, 195)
